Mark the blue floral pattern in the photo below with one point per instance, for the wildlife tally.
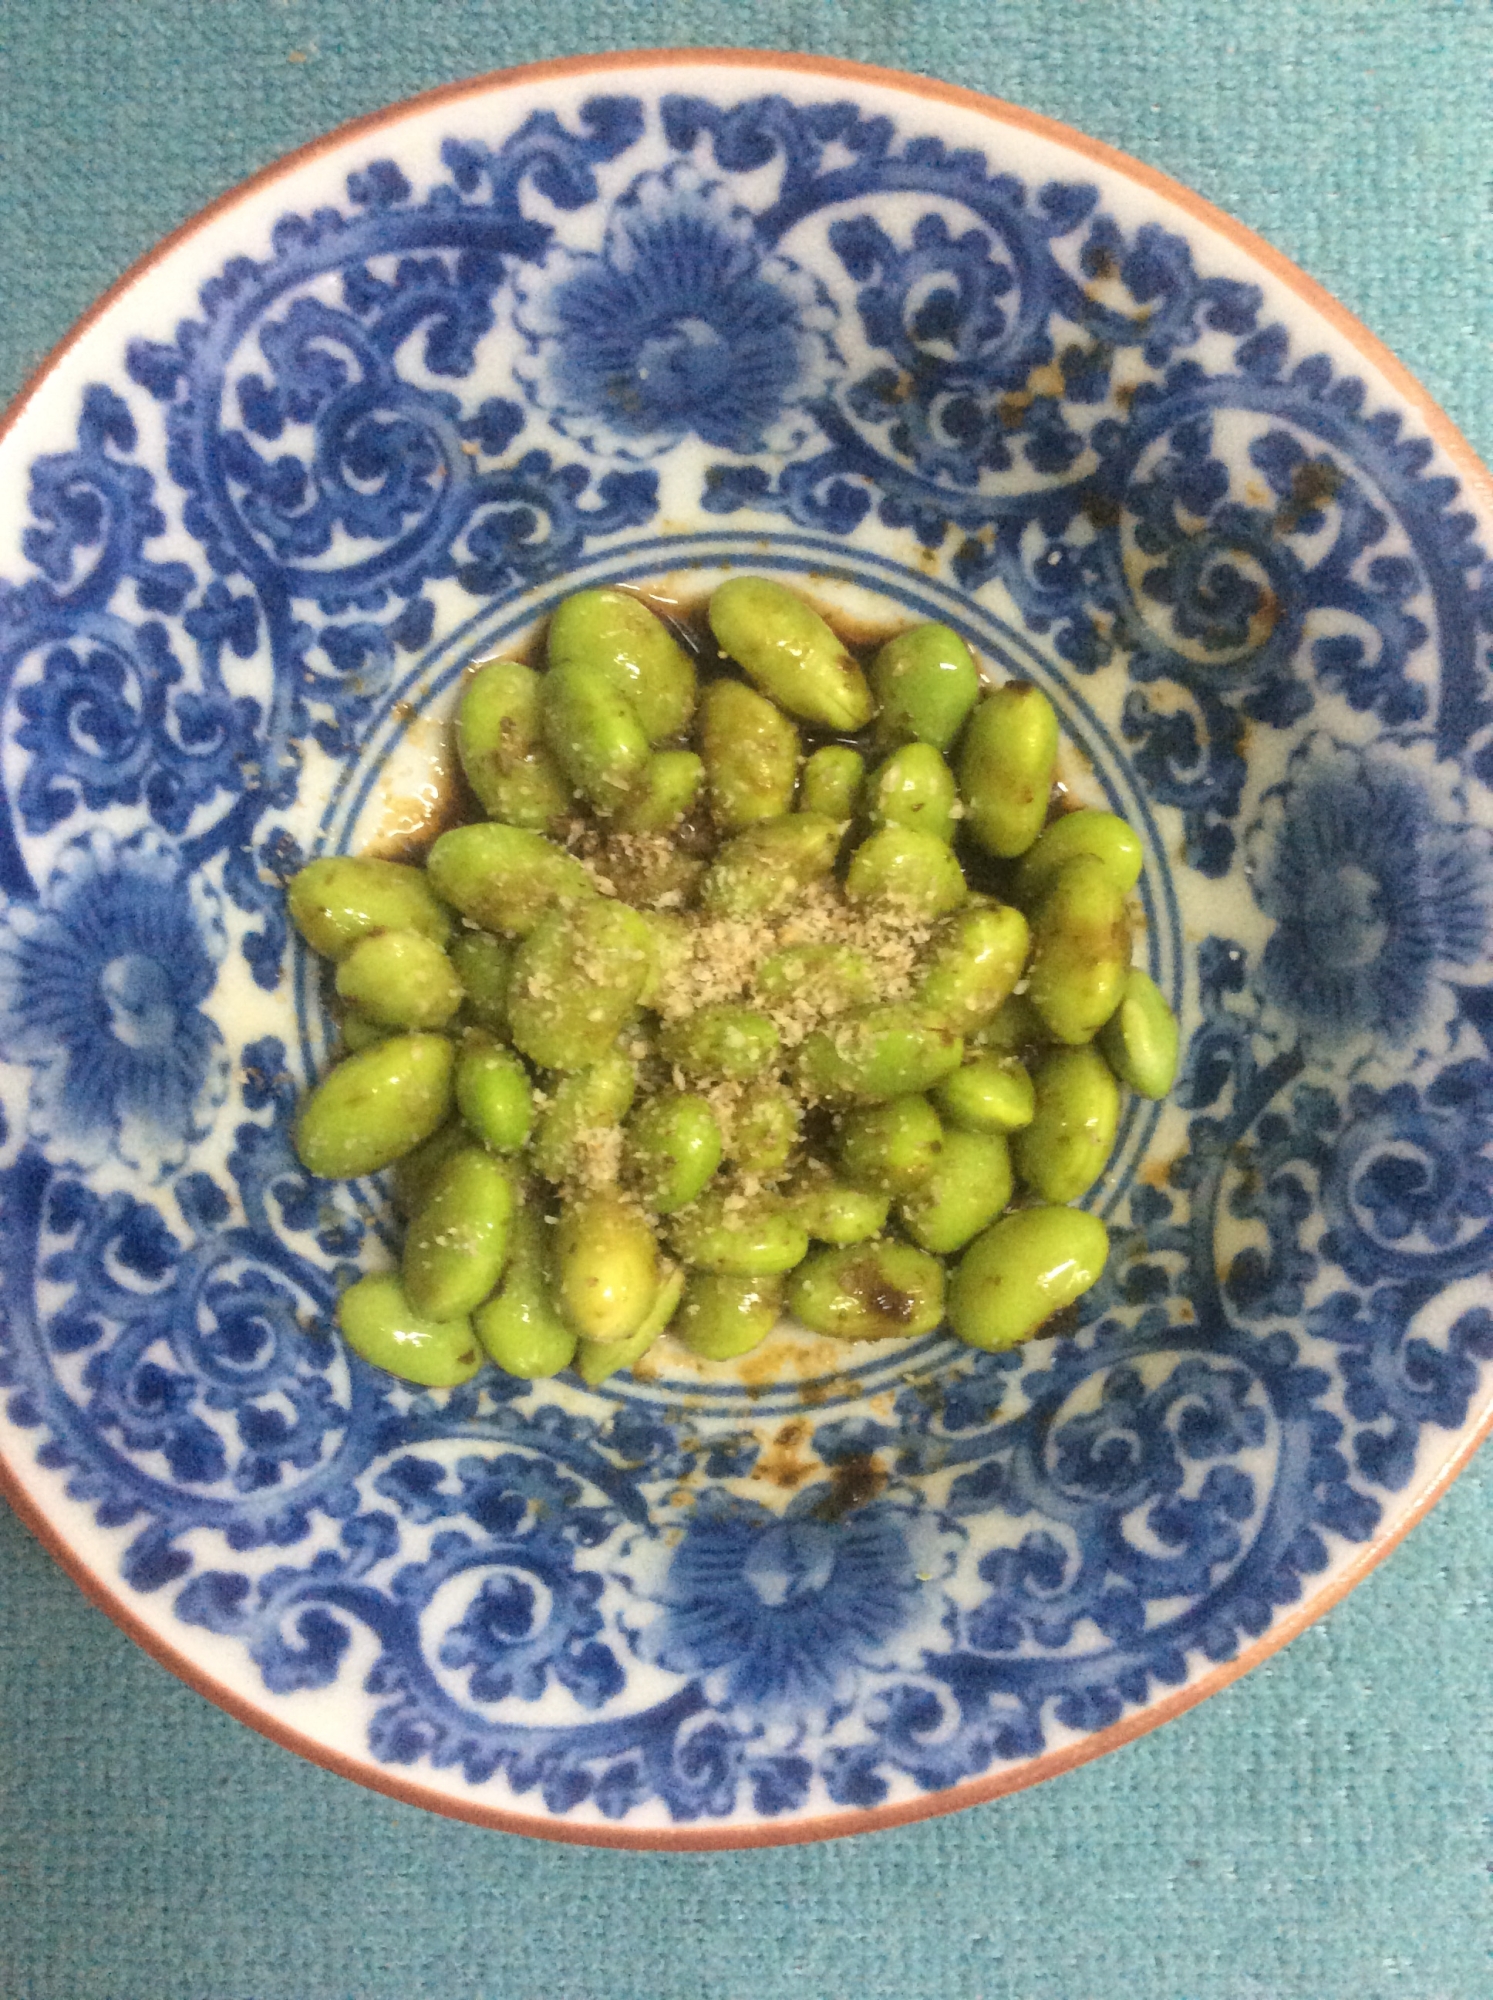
(612, 340)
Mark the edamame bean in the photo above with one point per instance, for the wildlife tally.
(1103, 835)
(913, 787)
(455, 1246)
(576, 978)
(1022, 1270)
(585, 1106)
(399, 979)
(969, 1187)
(375, 1106)
(831, 1210)
(768, 867)
(721, 1317)
(501, 750)
(825, 977)
(751, 753)
(670, 936)
(595, 1360)
(379, 1323)
(594, 734)
(790, 653)
(504, 877)
(763, 1129)
(493, 1093)
(1006, 766)
(1080, 950)
(1015, 1028)
(901, 865)
(672, 1149)
(358, 1032)
(1140, 1040)
(926, 682)
(520, 1328)
(721, 1040)
(343, 897)
(832, 780)
(415, 1171)
(977, 958)
(871, 1291)
(606, 1267)
(483, 965)
(873, 1053)
(614, 633)
(891, 1148)
(1064, 1150)
(743, 1240)
(988, 1093)
(667, 790)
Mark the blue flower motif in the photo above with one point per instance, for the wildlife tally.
(101, 985)
(1376, 896)
(682, 326)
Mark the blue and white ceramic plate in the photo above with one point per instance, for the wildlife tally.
(639, 319)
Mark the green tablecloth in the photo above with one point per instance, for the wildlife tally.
(1319, 1832)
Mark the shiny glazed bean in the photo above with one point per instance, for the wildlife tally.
(913, 787)
(379, 1323)
(672, 1149)
(1102, 835)
(504, 877)
(721, 1041)
(891, 1148)
(501, 751)
(743, 1240)
(831, 1210)
(376, 1106)
(483, 964)
(493, 1093)
(520, 1328)
(1064, 1150)
(1140, 1039)
(415, 1172)
(969, 1187)
(576, 978)
(615, 634)
(977, 958)
(831, 781)
(765, 868)
(720, 1317)
(873, 1053)
(455, 1246)
(667, 790)
(790, 653)
(358, 1032)
(900, 865)
(1080, 951)
(399, 979)
(586, 1104)
(1006, 765)
(595, 1360)
(343, 897)
(1014, 1028)
(871, 1291)
(926, 682)
(1022, 1270)
(987, 1093)
(594, 734)
(751, 752)
(606, 1267)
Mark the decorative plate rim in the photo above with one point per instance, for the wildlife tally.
(1286, 1626)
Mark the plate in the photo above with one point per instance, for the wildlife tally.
(647, 319)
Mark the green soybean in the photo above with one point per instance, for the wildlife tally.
(1080, 950)
(1006, 765)
(521, 1328)
(767, 867)
(504, 877)
(873, 1053)
(606, 1267)
(595, 1099)
(901, 865)
(831, 1210)
(343, 897)
(483, 965)
(871, 1291)
(358, 1032)
(926, 683)
(891, 1148)
(1014, 1028)
(455, 1246)
(789, 651)
(750, 751)
(987, 1093)
(493, 1093)
(375, 1106)
(969, 1187)
(721, 1317)
(721, 1040)
(499, 745)
(415, 1172)
(763, 1129)
(670, 937)
(1102, 835)
(977, 958)
(744, 1239)
(595, 1360)
(1140, 1040)
(1022, 1270)
(672, 1148)
(379, 1323)
(667, 790)
(1064, 1150)
(400, 979)
(615, 634)
(594, 733)
(827, 977)
(913, 787)
(832, 780)
(576, 978)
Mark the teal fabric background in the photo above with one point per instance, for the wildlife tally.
(1320, 1831)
